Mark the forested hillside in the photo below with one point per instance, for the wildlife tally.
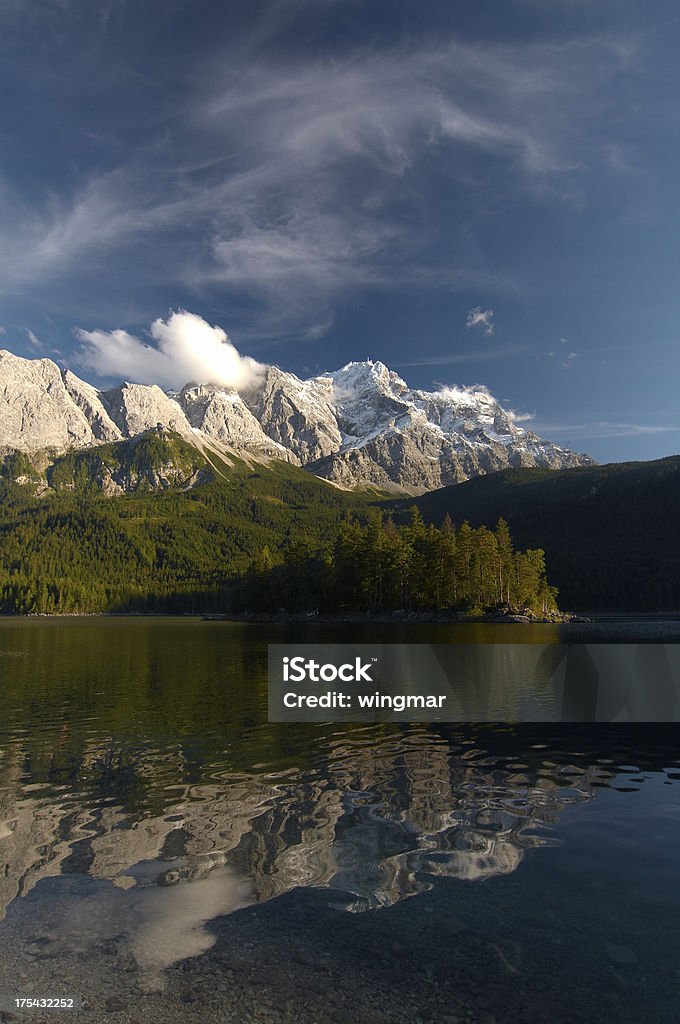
(611, 534)
(194, 533)
(178, 542)
(155, 524)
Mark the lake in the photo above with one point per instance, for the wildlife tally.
(168, 855)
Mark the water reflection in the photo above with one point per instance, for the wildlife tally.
(143, 793)
(374, 822)
(367, 823)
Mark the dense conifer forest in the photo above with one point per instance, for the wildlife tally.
(611, 534)
(193, 534)
(245, 538)
(375, 565)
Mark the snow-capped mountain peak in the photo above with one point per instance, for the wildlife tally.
(355, 378)
(359, 425)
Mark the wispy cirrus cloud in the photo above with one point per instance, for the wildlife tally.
(601, 429)
(33, 340)
(474, 356)
(282, 185)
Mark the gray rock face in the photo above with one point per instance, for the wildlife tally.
(298, 414)
(223, 415)
(88, 400)
(36, 409)
(361, 425)
(138, 407)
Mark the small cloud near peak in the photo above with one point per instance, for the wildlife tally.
(483, 318)
(33, 340)
(520, 417)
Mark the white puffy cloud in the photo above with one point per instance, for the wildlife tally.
(520, 417)
(187, 349)
(465, 395)
(483, 318)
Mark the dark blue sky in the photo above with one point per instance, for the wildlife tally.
(473, 193)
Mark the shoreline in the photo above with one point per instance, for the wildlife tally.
(452, 618)
(340, 618)
(397, 618)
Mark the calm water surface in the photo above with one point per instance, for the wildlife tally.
(168, 855)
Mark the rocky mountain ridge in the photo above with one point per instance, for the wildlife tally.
(360, 425)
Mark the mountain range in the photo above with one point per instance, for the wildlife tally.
(200, 484)
(359, 426)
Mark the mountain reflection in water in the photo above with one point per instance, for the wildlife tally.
(141, 784)
(376, 818)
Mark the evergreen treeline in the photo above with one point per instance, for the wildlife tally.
(273, 538)
(610, 533)
(375, 565)
(167, 550)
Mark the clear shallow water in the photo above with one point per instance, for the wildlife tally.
(169, 855)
